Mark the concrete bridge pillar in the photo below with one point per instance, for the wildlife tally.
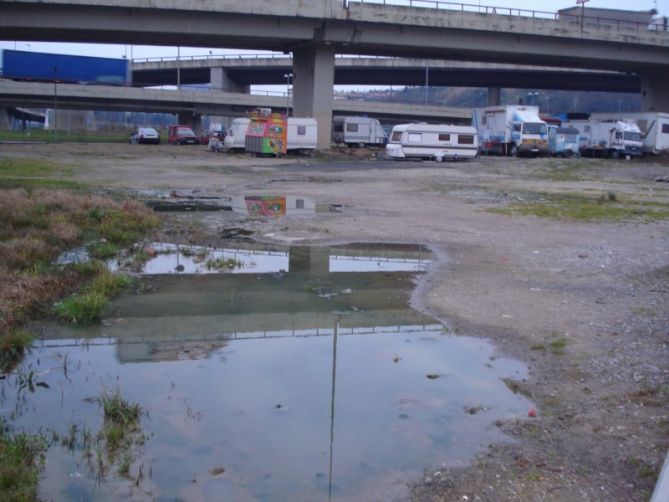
(192, 119)
(5, 120)
(494, 96)
(221, 81)
(654, 96)
(313, 82)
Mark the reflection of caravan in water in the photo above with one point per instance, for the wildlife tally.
(511, 130)
(429, 141)
(654, 127)
(302, 134)
(357, 131)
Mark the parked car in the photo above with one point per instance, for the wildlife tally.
(144, 135)
(181, 135)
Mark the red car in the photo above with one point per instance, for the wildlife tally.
(181, 135)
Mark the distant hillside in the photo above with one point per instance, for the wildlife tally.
(548, 101)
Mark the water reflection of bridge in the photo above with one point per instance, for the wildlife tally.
(191, 315)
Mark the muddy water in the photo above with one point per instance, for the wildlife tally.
(242, 394)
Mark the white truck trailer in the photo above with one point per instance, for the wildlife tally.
(607, 138)
(357, 131)
(654, 127)
(511, 130)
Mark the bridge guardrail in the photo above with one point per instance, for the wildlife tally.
(588, 21)
(207, 57)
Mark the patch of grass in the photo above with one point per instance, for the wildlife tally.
(223, 263)
(581, 207)
(21, 459)
(109, 284)
(558, 345)
(44, 135)
(35, 173)
(82, 308)
(538, 346)
(12, 347)
(117, 409)
(103, 250)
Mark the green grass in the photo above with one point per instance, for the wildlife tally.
(103, 250)
(82, 308)
(35, 173)
(63, 137)
(223, 263)
(117, 409)
(21, 459)
(12, 347)
(578, 207)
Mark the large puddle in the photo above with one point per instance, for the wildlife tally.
(246, 392)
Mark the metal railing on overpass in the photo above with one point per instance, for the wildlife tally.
(250, 56)
(513, 12)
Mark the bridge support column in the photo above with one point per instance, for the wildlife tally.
(5, 120)
(654, 97)
(192, 119)
(313, 81)
(494, 96)
(221, 81)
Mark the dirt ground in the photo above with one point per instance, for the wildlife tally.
(583, 303)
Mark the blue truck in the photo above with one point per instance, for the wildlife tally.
(45, 67)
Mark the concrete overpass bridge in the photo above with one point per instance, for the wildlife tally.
(237, 72)
(192, 104)
(315, 31)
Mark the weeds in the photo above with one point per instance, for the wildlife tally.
(223, 263)
(21, 459)
(14, 344)
(82, 308)
(587, 208)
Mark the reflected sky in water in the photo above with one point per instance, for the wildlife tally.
(235, 371)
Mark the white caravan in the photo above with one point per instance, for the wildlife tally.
(654, 127)
(429, 141)
(511, 130)
(357, 131)
(612, 138)
(302, 134)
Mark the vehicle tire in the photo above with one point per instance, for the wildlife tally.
(361, 145)
(614, 154)
(514, 151)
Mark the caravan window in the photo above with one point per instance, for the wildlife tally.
(415, 137)
(301, 130)
(396, 137)
(338, 126)
(444, 137)
(465, 139)
(351, 127)
(665, 128)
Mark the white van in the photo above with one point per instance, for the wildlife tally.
(357, 131)
(654, 127)
(430, 141)
(302, 135)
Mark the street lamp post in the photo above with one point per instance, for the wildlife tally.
(55, 102)
(288, 77)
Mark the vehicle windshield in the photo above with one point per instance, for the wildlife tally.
(185, 131)
(396, 137)
(534, 128)
(632, 136)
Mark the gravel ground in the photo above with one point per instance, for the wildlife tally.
(582, 303)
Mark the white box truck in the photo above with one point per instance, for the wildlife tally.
(432, 141)
(357, 131)
(607, 138)
(302, 135)
(654, 127)
(511, 130)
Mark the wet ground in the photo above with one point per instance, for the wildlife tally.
(583, 303)
(248, 394)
